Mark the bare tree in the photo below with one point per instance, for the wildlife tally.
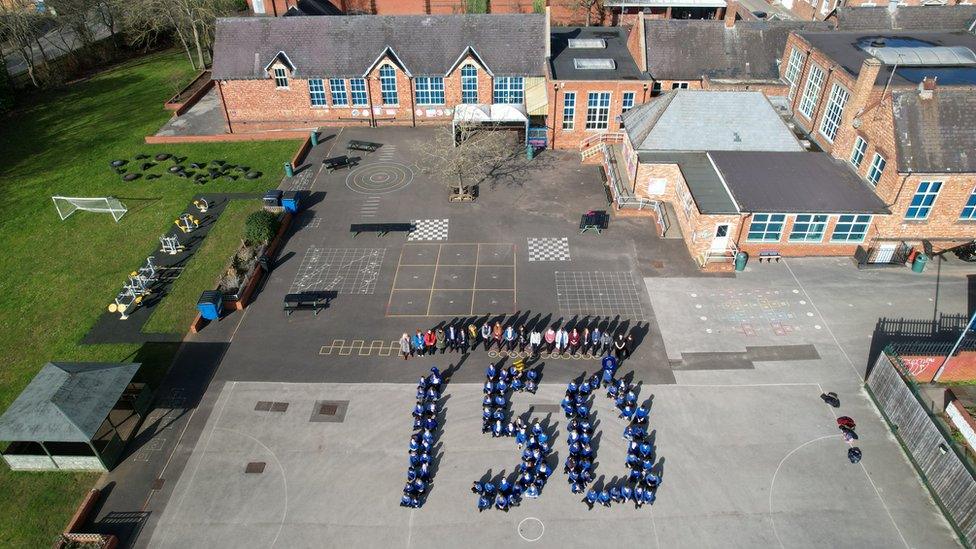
(468, 154)
(587, 6)
(23, 28)
(192, 22)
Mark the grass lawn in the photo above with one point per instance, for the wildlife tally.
(56, 276)
(173, 314)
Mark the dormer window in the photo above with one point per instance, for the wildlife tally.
(280, 77)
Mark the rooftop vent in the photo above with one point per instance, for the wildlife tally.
(594, 64)
(935, 56)
(587, 43)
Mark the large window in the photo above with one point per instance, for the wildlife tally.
(509, 89)
(358, 88)
(569, 110)
(627, 102)
(851, 228)
(811, 94)
(388, 85)
(598, 110)
(679, 85)
(921, 203)
(280, 77)
(469, 84)
(808, 228)
(877, 168)
(857, 153)
(835, 110)
(316, 93)
(969, 210)
(793, 68)
(766, 227)
(429, 90)
(338, 88)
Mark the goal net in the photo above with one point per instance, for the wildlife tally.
(67, 205)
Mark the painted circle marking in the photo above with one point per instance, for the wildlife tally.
(528, 526)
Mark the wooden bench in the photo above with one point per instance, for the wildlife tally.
(308, 301)
(336, 162)
(769, 255)
(595, 220)
(381, 229)
(365, 146)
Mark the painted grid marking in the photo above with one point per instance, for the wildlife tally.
(429, 229)
(344, 270)
(302, 181)
(549, 249)
(602, 293)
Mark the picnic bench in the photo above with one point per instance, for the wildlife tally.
(381, 229)
(769, 255)
(365, 146)
(336, 162)
(307, 301)
(594, 220)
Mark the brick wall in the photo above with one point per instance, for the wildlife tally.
(769, 89)
(564, 12)
(570, 138)
(943, 224)
(808, 10)
(801, 249)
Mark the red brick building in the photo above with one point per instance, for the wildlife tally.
(900, 108)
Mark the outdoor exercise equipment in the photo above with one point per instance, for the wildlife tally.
(170, 245)
(67, 205)
(202, 204)
(138, 285)
(187, 223)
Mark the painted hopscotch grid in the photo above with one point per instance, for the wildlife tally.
(549, 249)
(369, 207)
(429, 229)
(301, 182)
(378, 347)
(602, 293)
(343, 270)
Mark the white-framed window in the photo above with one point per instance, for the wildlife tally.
(388, 85)
(509, 90)
(280, 77)
(878, 164)
(429, 90)
(469, 84)
(851, 228)
(338, 88)
(569, 110)
(808, 227)
(656, 88)
(358, 88)
(627, 102)
(857, 153)
(969, 210)
(679, 85)
(830, 120)
(316, 93)
(793, 68)
(597, 110)
(921, 204)
(811, 93)
(766, 227)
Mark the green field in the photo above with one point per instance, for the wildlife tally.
(56, 277)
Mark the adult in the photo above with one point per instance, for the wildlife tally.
(496, 335)
(462, 341)
(405, 346)
(452, 337)
(550, 340)
(522, 339)
(595, 336)
(628, 345)
(418, 343)
(535, 341)
(606, 341)
(472, 335)
(619, 345)
(562, 340)
(441, 340)
(585, 340)
(574, 341)
(509, 337)
(429, 340)
(486, 334)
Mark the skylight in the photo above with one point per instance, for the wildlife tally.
(594, 64)
(590, 43)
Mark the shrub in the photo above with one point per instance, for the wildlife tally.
(260, 227)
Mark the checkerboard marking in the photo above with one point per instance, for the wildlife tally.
(429, 229)
(549, 249)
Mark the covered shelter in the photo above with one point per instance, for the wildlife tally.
(493, 116)
(74, 416)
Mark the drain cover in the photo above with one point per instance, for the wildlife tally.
(279, 407)
(262, 406)
(328, 409)
(254, 467)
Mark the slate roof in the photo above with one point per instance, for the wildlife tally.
(66, 402)
(845, 49)
(690, 49)
(794, 182)
(906, 17)
(936, 135)
(616, 41)
(695, 120)
(707, 189)
(347, 46)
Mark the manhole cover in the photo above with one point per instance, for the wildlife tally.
(279, 407)
(531, 529)
(328, 409)
(263, 406)
(254, 467)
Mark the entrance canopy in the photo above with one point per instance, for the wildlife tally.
(496, 114)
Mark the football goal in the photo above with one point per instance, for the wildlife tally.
(68, 205)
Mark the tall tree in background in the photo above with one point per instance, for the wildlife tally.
(192, 22)
(22, 29)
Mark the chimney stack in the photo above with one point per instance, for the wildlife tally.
(730, 11)
(926, 88)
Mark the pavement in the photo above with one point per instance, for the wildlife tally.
(734, 365)
(203, 118)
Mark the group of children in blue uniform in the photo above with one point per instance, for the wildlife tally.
(419, 474)
(499, 383)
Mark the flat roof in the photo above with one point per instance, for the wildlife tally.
(705, 185)
(795, 182)
(847, 50)
(615, 40)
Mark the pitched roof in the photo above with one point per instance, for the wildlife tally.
(906, 17)
(615, 41)
(66, 402)
(794, 182)
(347, 46)
(688, 50)
(936, 135)
(694, 120)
